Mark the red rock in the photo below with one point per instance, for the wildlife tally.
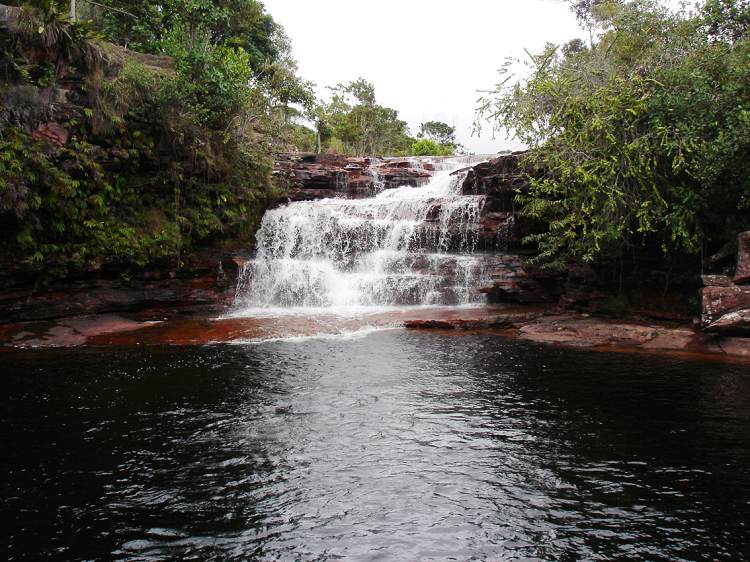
(678, 339)
(742, 272)
(511, 282)
(716, 281)
(581, 331)
(733, 322)
(51, 132)
(69, 331)
(430, 324)
(307, 176)
(739, 347)
(726, 309)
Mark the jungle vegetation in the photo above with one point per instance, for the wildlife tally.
(639, 135)
(173, 110)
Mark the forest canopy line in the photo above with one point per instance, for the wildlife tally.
(639, 137)
(163, 151)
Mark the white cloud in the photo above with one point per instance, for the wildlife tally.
(427, 58)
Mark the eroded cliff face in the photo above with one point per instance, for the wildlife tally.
(306, 176)
(726, 297)
(205, 279)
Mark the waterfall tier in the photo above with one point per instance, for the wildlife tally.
(403, 246)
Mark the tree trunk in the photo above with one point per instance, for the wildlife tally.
(73, 13)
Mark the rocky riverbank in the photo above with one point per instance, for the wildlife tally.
(536, 324)
(565, 307)
(207, 277)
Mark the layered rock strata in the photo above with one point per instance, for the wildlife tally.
(307, 176)
(726, 298)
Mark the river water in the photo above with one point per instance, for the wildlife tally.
(393, 446)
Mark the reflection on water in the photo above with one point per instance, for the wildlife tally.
(398, 446)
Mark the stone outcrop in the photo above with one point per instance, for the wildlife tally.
(304, 176)
(9, 16)
(585, 331)
(511, 281)
(51, 132)
(499, 178)
(726, 308)
(307, 176)
(206, 278)
(725, 299)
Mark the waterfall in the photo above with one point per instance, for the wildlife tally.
(403, 246)
(378, 184)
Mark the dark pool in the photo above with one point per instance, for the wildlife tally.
(396, 446)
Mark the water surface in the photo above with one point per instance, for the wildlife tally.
(394, 446)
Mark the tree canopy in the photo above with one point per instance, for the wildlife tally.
(435, 139)
(353, 122)
(641, 136)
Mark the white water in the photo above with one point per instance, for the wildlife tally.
(404, 246)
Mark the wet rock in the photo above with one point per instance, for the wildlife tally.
(588, 332)
(676, 339)
(306, 176)
(430, 324)
(499, 178)
(208, 277)
(726, 309)
(738, 347)
(726, 301)
(70, 331)
(732, 322)
(510, 281)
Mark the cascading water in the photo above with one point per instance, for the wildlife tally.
(404, 246)
(378, 184)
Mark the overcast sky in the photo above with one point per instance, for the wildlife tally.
(426, 58)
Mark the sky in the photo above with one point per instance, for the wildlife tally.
(427, 58)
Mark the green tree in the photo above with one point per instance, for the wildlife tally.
(160, 158)
(437, 131)
(442, 134)
(428, 147)
(354, 118)
(641, 137)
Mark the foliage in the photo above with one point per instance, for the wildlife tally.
(441, 134)
(428, 147)
(158, 160)
(640, 138)
(63, 210)
(146, 25)
(353, 118)
(210, 40)
(164, 153)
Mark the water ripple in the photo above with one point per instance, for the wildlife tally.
(396, 446)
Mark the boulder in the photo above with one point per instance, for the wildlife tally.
(499, 178)
(726, 309)
(725, 300)
(510, 281)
